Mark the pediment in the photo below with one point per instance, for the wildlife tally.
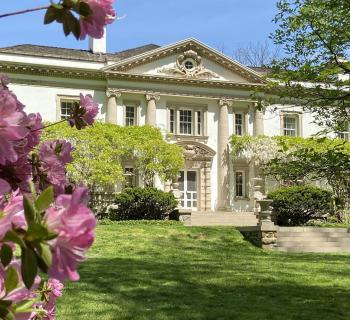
(188, 59)
(195, 151)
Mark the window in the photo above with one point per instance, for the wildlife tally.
(290, 125)
(239, 184)
(129, 175)
(239, 124)
(172, 121)
(130, 116)
(189, 64)
(66, 109)
(344, 132)
(199, 122)
(185, 122)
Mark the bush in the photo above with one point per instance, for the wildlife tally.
(296, 205)
(143, 204)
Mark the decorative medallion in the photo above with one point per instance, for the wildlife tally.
(196, 151)
(190, 65)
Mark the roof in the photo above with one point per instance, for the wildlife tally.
(75, 54)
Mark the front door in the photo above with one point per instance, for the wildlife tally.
(188, 186)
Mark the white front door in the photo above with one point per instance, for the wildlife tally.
(188, 186)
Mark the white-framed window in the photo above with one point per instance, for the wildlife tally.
(344, 132)
(130, 115)
(240, 191)
(129, 176)
(239, 124)
(172, 120)
(184, 120)
(66, 107)
(290, 124)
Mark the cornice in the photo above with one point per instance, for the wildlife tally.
(177, 81)
(48, 71)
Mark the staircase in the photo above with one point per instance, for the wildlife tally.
(220, 218)
(312, 239)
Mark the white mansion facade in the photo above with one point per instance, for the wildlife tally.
(197, 96)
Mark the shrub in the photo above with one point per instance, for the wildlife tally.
(296, 205)
(143, 204)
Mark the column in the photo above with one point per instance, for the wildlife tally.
(207, 186)
(223, 140)
(151, 109)
(111, 110)
(258, 122)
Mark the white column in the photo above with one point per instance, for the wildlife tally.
(151, 117)
(258, 122)
(111, 110)
(223, 140)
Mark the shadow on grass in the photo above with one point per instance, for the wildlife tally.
(135, 289)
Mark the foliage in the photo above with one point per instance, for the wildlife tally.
(143, 204)
(295, 160)
(193, 273)
(315, 35)
(101, 149)
(296, 205)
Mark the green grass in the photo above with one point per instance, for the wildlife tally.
(167, 271)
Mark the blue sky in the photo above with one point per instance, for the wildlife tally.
(222, 24)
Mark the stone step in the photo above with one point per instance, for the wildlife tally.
(312, 244)
(223, 219)
(332, 240)
(313, 230)
(318, 249)
(314, 236)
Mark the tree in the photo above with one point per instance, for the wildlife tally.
(314, 72)
(260, 54)
(101, 149)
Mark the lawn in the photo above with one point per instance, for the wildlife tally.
(167, 271)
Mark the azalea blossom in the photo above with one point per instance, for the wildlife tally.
(62, 149)
(85, 113)
(74, 223)
(13, 125)
(94, 24)
(4, 187)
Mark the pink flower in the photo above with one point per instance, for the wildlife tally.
(4, 187)
(56, 287)
(102, 14)
(86, 112)
(10, 211)
(4, 80)
(74, 223)
(57, 148)
(13, 125)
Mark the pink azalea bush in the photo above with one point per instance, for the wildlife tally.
(52, 228)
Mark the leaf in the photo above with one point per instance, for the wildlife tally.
(73, 24)
(12, 236)
(37, 231)
(51, 15)
(45, 199)
(45, 254)
(29, 266)
(6, 254)
(11, 280)
(83, 9)
(10, 316)
(29, 210)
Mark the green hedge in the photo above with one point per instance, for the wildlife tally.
(296, 205)
(143, 204)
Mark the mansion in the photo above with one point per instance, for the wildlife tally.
(195, 95)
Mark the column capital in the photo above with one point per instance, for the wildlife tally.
(113, 92)
(225, 102)
(152, 96)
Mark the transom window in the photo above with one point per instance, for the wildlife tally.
(185, 121)
(130, 116)
(239, 183)
(239, 124)
(290, 125)
(66, 109)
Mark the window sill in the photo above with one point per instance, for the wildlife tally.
(242, 198)
(186, 137)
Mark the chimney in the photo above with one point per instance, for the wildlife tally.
(98, 45)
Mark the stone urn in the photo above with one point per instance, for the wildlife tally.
(265, 210)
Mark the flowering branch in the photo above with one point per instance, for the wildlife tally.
(23, 11)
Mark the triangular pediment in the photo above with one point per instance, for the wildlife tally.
(187, 59)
